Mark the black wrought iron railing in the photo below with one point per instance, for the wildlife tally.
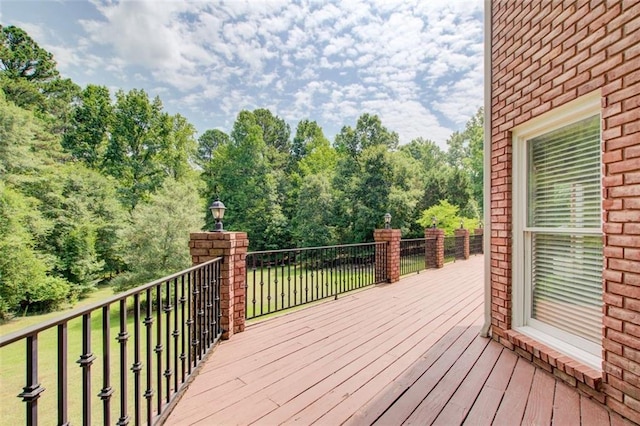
(475, 244)
(121, 361)
(450, 248)
(413, 255)
(283, 279)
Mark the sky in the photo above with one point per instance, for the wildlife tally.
(417, 64)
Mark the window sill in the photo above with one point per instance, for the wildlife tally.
(574, 371)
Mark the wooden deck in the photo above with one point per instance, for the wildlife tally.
(403, 353)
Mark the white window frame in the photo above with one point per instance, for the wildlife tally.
(574, 346)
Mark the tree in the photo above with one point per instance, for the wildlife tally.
(23, 273)
(474, 163)
(179, 148)
(30, 79)
(208, 142)
(447, 218)
(308, 136)
(22, 58)
(427, 152)
(406, 193)
(138, 137)
(312, 222)
(90, 123)
(157, 240)
(466, 154)
(275, 131)
(248, 184)
(369, 132)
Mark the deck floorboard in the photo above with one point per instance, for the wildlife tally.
(402, 353)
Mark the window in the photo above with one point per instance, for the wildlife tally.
(558, 259)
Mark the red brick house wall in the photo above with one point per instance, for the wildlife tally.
(544, 54)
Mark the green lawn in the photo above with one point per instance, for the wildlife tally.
(12, 365)
(277, 288)
(281, 288)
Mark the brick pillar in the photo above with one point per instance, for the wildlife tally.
(392, 237)
(434, 249)
(232, 246)
(480, 231)
(462, 239)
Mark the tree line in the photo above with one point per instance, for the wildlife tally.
(104, 188)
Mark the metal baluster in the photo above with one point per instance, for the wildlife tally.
(107, 390)
(148, 323)
(212, 303)
(202, 312)
(204, 302)
(136, 368)
(218, 298)
(261, 284)
(275, 282)
(184, 333)
(282, 279)
(31, 392)
(159, 348)
(190, 324)
(295, 280)
(209, 308)
(269, 283)
(292, 258)
(167, 310)
(176, 335)
(63, 381)
(85, 361)
(255, 293)
(314, 275)
(123, 336)
(306, 278)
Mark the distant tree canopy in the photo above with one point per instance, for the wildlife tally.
(102, 187)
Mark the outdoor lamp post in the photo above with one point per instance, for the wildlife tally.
(461, 224)
(433, 222)
(387, 221)
(217, 211)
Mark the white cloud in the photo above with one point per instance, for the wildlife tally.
(418, 64)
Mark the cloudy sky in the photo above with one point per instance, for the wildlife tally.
(415, 63)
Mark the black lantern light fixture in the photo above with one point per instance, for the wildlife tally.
(387, 221)
(433, 222)
(461, 224)
(217, 211)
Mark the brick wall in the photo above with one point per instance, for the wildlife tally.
(544, 54)
(392, 260)
(434, 256)
(232, 246)
(462, 243)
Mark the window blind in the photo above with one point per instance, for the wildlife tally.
(564, 193)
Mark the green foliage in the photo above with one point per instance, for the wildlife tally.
(90, 122)
(208, 142)
(29, 78)
(447, 218)
(138, 137)
(465, 155)
(95, 188)
(21, 57)
(23, 273)
(369, 132)
(157, 239)
(312, 223)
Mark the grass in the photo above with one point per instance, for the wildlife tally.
(13, 359)
(282, 288)
(278, 288)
